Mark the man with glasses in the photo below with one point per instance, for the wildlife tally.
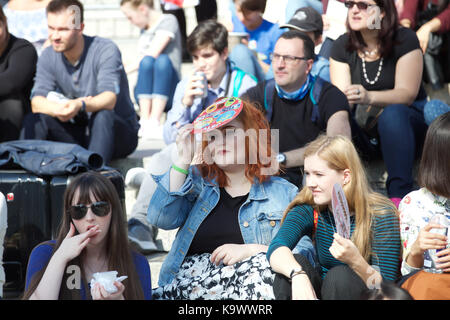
(299, 105)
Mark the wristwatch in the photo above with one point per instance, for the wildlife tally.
(281, 158)
(296, 272)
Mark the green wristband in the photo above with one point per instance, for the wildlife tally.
(180, 170)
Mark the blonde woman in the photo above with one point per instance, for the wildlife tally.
(348, 267)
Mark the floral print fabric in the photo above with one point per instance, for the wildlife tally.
(416, 210)
(199, 279)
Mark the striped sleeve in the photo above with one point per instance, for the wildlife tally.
(299, 222)
(386, 245)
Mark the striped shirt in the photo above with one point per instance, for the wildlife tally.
(386, 245)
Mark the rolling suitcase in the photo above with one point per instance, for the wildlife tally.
(28, 223)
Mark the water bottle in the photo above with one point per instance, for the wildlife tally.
(429, 263)
(203, 82)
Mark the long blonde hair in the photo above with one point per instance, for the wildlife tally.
(340, 154)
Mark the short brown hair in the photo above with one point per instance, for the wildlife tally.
(137, 3)
(434, 170)
(252, 5)
(56, 6)
(208, 33)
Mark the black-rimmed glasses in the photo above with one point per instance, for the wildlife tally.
(99, 208)
(275, 57)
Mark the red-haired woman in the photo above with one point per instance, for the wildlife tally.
(228, 208)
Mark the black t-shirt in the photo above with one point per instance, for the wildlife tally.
(17, 70)
(293, 118)
(405, 42)
(221, 226)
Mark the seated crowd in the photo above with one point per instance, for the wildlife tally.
(288, 116)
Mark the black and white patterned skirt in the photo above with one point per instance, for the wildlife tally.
(199, 279)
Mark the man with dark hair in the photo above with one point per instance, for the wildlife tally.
(208, 45)
(309, 21)
(81, 92)
(299, 105)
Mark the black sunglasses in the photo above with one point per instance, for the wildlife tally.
(78, 211)
(360, 5)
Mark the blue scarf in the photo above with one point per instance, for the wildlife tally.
(298, 94)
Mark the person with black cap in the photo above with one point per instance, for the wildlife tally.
(309, 21)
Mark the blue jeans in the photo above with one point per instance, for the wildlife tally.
(161, 69)
(293, 5)
(109, 135)
(244, 58)
(401, 131)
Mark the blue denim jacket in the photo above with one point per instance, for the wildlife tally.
(259, 216)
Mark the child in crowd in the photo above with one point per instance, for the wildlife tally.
(262, 38)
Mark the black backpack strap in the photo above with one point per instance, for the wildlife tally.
(269, 90)
(314, 94)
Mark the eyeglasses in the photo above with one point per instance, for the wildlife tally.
(360, 5)
(275, 57)
(78, 211)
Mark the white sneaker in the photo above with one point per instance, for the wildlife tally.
(151, 130)
(134, 177)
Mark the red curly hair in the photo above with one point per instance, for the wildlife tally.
(251, 118)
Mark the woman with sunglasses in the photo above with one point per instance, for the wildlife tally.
(92, 238)
(379, 64)
(228, 208)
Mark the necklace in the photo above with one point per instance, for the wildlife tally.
(371, 53)
(380, 67)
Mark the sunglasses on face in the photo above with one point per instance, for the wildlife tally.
(78, 211)
(360, 5)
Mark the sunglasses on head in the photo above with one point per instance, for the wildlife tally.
(360, 5)
(99, 208)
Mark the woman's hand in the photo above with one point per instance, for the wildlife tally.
(428, 240)
(72, 245)
(357, 94)
(231, 253)
(423, 34)
(185, 144)
(344, 250)
(302, 288)
(443, 261)
(98, 292)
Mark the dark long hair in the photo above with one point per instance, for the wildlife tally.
(118, 251)
(434, 170)
(386, 36)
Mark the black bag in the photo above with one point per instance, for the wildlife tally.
(366, 117)
(35, 206)
(28, 223)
